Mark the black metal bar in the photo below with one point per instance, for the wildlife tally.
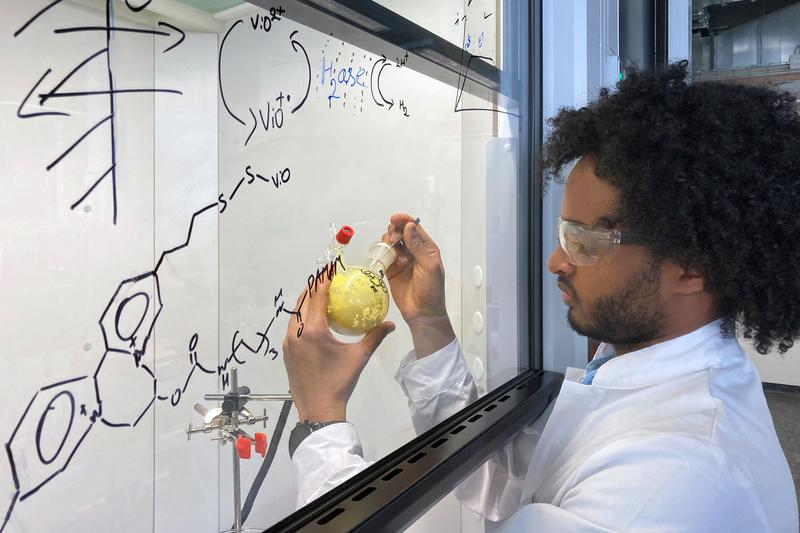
(534, 189)
(526, 253)
(392, 493)
(780, 387)
(372, 27)
(661, 34)
(636, 39)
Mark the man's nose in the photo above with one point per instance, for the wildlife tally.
(558, 262)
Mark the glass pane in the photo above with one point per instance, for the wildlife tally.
(758, 52)
(471, 24)
(173, 173)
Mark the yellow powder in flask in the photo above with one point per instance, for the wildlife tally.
(358, 300)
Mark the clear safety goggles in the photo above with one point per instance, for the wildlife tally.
(587, 245)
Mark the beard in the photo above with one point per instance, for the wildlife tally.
(633, 315)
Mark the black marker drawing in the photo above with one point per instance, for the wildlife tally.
(466, 60)
(36, 16)
(139, 7)
(271, 115)
(375, 82)
(41, 447)
(295, 46)
(109, 90)
(127, 324)
(24, 102)
(219, 72)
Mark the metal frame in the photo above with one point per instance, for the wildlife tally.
(533, 122)
(392, 493)
(636, 34)
(644, 34)
(661, 34)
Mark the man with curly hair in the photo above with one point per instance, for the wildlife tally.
(679, 223)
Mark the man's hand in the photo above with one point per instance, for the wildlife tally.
(417, 282)
(322, 370)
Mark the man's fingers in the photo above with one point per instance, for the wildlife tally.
(375, 337)
(399, 220)
(392, 233)
(301, 302)
(399, 266)
(300, 299)
(419, 244)
(402, 259)
(317, 289)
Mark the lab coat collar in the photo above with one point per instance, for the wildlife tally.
(661, 362)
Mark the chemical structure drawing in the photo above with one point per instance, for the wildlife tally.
(110, 89)
(127, 323)
(338, 75)
(59, 417)
(273, 116)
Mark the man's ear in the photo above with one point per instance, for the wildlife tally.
(685, 280)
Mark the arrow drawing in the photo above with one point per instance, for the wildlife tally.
(295, 45)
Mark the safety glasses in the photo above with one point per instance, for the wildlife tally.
(587, 245)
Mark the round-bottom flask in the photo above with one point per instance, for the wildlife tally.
(358, 299)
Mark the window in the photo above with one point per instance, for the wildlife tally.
(173, 171)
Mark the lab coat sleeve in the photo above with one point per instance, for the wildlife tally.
(437, 386)
(325, 459)
(667, 484)
(440, 385)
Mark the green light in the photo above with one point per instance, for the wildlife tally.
(619, 76)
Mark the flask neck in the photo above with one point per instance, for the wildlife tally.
(336, 250)
(380, 258)
(376, 267)
(332, 252)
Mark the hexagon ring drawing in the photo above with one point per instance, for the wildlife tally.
(54, 424)
(129, 318)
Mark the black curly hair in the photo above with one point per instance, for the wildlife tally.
(709, 174)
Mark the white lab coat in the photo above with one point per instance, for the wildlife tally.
(673, 437)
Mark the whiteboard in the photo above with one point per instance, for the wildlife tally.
(167, 192)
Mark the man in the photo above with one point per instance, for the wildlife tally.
(678, 221)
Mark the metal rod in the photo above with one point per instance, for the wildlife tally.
(237, 494)
(237, 486)
(255, 397)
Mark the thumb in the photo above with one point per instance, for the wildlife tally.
(375, 337)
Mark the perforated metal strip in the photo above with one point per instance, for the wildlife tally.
(394, 492)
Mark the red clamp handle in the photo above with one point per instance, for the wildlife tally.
(243, 447)
(261, 444)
